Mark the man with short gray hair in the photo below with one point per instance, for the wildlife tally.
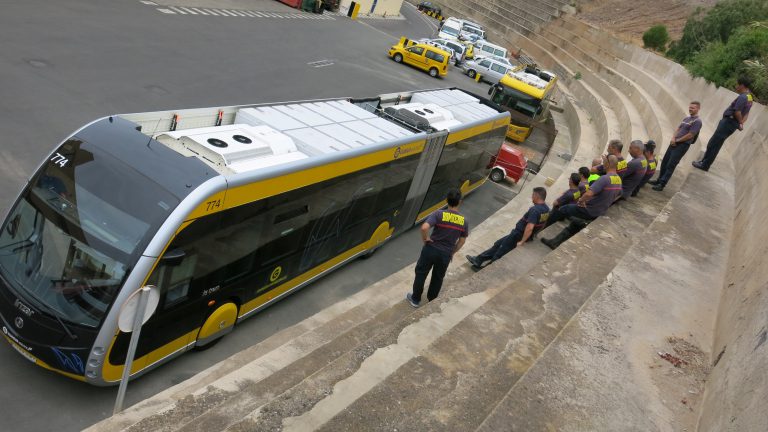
(635, 170)
(685, 135)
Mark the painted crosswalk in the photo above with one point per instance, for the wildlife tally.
(236, 13)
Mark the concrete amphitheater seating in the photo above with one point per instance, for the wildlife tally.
(542, 340)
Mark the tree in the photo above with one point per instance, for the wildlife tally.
(656, 37)
(745, 53)
(715, 25)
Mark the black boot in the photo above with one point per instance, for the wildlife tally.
(553, 243)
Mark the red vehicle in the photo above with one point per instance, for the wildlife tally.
(509, 162)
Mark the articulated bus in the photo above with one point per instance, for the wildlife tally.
(525, 93)
(225, 211)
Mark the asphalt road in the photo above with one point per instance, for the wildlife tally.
(65, 63)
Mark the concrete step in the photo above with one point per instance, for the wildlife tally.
(661, 297)
(630, 124)
(643, 105)
(493, 18)
(527, 10)
(448, 369)
(668, 109)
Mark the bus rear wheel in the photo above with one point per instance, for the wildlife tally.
(216, 326)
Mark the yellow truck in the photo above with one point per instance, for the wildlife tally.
(525, 93)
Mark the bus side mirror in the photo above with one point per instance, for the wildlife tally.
(174, 257)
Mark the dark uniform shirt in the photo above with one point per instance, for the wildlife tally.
(537, 214)
(742, 103)
(584, 186)
(606, 189)
(634, 174)
(568, 197)
(621, 167)
(447, 228)
(690, 124)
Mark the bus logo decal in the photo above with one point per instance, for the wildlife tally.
(275, 274)
(397, 152)
(19, 322)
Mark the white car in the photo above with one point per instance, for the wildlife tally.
(456, 49)
(506, 61)
(490, 70)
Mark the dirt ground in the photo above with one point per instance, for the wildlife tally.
(629, 19)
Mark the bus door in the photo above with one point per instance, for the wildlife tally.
(189, 276)
(423, 177)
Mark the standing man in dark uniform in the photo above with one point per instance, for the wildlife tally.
(448, 236)
(685, 135)
(734, 118)
(593, 204)
(528, 225)
(648, 152)
(636, 169)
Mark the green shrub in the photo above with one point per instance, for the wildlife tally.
(745, 53)
(715, 25)
(656, 37)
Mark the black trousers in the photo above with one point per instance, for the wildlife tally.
(435, 260)
(501, 247)
(672, 157)
(566, 211)
(725, 128)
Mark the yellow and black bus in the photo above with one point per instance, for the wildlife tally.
(225, 210)
(525, 92)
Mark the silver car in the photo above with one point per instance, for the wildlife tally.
(490, 70)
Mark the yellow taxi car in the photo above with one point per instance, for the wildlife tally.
(425, 57)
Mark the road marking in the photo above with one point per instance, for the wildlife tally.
(320, 63)
(188, 10)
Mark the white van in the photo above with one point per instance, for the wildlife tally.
(450, 29)
(472, 31)
(487, 48)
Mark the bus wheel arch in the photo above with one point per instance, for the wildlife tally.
(217, 325)
(379, 236)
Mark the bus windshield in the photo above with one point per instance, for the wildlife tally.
(517, 100)
(69, 242)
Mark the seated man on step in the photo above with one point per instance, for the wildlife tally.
(532, 222)
(591, 205)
